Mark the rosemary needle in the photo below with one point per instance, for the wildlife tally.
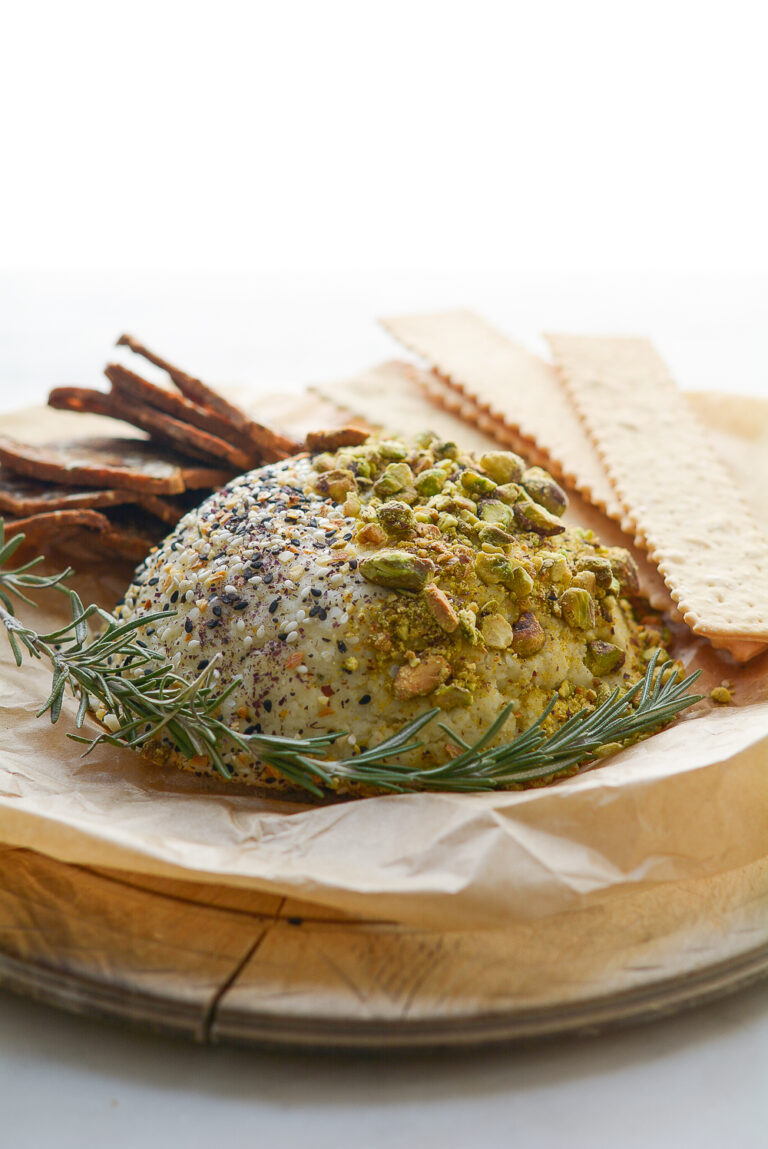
(146, 701)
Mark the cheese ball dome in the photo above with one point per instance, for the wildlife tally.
(356, 588)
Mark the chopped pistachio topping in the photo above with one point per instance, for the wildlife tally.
(603, 658)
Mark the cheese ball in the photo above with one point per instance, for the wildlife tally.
(354, 589)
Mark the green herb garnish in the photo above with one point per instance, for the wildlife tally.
(146, 700)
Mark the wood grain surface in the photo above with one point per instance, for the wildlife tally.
(218, 964)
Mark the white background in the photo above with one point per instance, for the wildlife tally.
(247, 186)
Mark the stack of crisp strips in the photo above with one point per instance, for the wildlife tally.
(685, 508)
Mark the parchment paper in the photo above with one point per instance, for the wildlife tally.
(691, 802)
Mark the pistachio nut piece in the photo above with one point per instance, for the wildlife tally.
(503, 466)
(467, 621)
(624, 570)
(446, 449)
(545, 491)
(603, 658)
(528, 636)
(428, 673)
(509, 493)
(556, 569)
(491, 533)
(600, 568)
(449, 696)
(497, 569)
(476, 483)
(496, 631)
(430, 482)
(397, 570)
(533, 517)
(396, 518)
(336, 483)
(441, 608)
(586, 581)
(494, 511)
(391, 449)
(396, 477)
(578, 608)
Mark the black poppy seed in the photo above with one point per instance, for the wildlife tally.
(322, 614)
(347, 537)
(153, 581)
(241, 605)
(175, 596)
(316, 591)
(213, 623)
(283, 636)
(353, 564)
(342, 646)
(249, 730)
(267, 705)
(166, 606)
(313, 610)
(227, 599)
(274, 605)
(216, 610)
(202, 664)
(268, 578)
(140, 643)
(365, 700)
(188, 625)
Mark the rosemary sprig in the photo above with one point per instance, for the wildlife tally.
(145, 700)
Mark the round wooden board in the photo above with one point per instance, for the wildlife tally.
(219, 964)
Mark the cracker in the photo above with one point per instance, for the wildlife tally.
(51, 524)
(680, 496)
(271, 444)
(186, 439)
(20, 496)
(386, 396)
(129, 534)
(128, 464)
(515, 388)
(128, 383)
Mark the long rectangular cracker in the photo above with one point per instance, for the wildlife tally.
(690, 514)
(386, 396)
(513, 386)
